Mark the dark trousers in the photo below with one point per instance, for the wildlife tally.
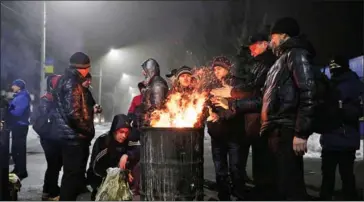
(53, 155)
(227, 159)
(345, 161)
(74, 169)
(19, 148)
(287, 166)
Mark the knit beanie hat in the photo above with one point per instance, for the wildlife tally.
(287, 26)
(183, 70)
(222, 61)
(79, 60)
(20, 83)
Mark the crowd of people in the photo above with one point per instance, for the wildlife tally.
(274, 112)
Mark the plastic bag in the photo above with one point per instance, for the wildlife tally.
(115, 186)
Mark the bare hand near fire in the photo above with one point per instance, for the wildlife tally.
(299, 146)
(220, 102)
(222, 92)
(213, 117)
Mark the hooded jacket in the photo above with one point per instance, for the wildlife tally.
(19, 109)
(107, 151)
(289, 90)
(74, 113)
(156, 87)
(347, 137)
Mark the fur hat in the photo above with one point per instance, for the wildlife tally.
(287, 26)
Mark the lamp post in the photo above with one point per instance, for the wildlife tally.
(43, 50)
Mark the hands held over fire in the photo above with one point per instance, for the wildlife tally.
(220, 102)
(224, 92)
(213, 117)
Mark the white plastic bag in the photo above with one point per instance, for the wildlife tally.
(115, 186)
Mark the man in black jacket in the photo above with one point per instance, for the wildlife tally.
(263, 59)
(74, 117)
(114, 149)
(156, 87)
(287, 107)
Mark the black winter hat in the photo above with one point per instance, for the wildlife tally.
(80, 60)
(258, 37)
(183, 70)
(287, 26)
(172, 73)
(222, 61)
(339, 62)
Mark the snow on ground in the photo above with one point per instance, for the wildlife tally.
(314, 147)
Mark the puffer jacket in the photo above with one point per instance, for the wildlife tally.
(348, 136)
(156, 87)
(290, 88)
(74, 116)
(228, 126)
(252, 89)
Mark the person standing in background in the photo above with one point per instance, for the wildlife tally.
(19, 111)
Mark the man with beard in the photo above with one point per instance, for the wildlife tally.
(156, 87)
(287, 107)
(263, 59)
(75, 123)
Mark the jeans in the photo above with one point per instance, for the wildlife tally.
(287, 167)
(74, 169)
(19, 148)
(53, 155)
(227, 159)
(345, 161)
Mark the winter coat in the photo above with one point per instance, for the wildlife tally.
(156, 87)
(74, 113)
(19, 109)
(107, 152)
(348, 136)
(137, 100)
(228, 126)
(289, 90)
(252, 89)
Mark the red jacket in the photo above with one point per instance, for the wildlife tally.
(137, 100)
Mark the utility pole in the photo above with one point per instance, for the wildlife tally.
(43, 51)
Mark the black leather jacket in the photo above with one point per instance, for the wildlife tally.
(253, 89)
(156, 87)
(288, 91)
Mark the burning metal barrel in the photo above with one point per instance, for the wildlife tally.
(171, 164)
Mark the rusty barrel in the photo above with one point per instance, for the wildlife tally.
(171, 164)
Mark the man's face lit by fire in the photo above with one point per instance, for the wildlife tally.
(15, 88)
(220, 72)
(258, 48)
(185, 80)
(277, 40)
(121, 134)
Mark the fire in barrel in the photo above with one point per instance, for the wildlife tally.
(172, 151)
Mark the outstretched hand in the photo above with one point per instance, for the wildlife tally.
(213, 117)
(225, 91)
(220, 102)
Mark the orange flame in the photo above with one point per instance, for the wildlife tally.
(180, 111)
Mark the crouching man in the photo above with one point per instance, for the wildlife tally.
(113, 149)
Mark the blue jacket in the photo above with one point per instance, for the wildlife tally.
(348, 136)
(19, 109)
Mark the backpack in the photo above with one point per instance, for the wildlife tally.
(43, 122)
